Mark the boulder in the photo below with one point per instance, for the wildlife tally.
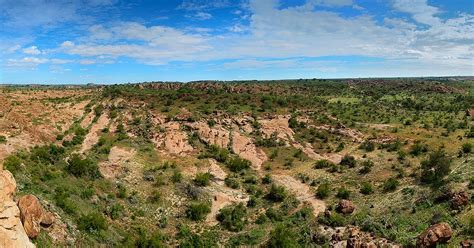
(434, 235)
(12, 233)
(467, 243)
(345, 207)
(32, 215)
(459, 200)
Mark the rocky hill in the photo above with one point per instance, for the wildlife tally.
(342, 163)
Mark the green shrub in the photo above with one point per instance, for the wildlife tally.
(367, 145)
(343, 193)
(366, 166)
(92, 223)
(82, 167)
(267, 179)
(366, 188)
(334, 219)
(231, 182)
(282, 236)
(323, 190)
(3, 139)
(198, 211)
(202, 179)
(466, 148)
(277, 193)
(12, 163)
(115, 211)
(238, 164)
(348, 161)
(436, 167)
(418, 148)
(274, 215)
(323, 163)
(144, 241)
(177, 176)
(390, 185)
(232, 217)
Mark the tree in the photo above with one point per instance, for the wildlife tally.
(198, 211)
(232, 217)
(277, 193)
(436, 167)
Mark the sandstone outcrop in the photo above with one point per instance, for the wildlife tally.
(345, 207)
(12, 233)
(434, 235)
(33, 215)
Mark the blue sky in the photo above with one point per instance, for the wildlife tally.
(116, 41)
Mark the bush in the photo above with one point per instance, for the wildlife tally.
(238, 164)
(155, 196)
(217, 153)
(366, 166)
(368, 146)
(12, 163)
(390, 185)
(277, 193)
(323, 163)
(267, 179)
(202, 179)
(176, 177)
(323, 190)
(334, 219)
(282, 236)
(3, 139)
(343, 193)
(82, 167)
(348, 161)
(418, 148)
(231, 182)
(92, 223)
(198, 211)
(466, 148)
(232, 217)
(366, 188)
(436, 167)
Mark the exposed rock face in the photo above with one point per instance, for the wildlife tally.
(435, 234)
(216, 135)
(459, 199)
(173, 140)
(345, 207)
(32, 215)
(278, 125)
(245, 148)
(12, 233)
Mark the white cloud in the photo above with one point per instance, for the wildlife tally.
(419, 9)
(300, 31)
(26, 62)
(202, 16)
(87, 62)
(200, 5)
(13, 49)
(332, 3)
(32, 50)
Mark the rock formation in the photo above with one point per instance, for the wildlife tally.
(434, 235)
(32, 215)
(12, 233)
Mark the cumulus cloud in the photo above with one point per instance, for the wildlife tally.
(32, 50)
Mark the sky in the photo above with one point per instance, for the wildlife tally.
(118, 41)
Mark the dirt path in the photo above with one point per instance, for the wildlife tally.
(302, 191)
(92, 137)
